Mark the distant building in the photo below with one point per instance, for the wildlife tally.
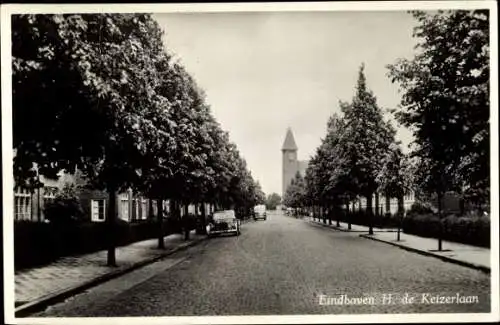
(290, 164)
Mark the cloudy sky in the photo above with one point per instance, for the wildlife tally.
(266, 71)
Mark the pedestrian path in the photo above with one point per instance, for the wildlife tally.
(467, 255)
(35, 285)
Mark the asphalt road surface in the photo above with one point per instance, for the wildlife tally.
(286, 266)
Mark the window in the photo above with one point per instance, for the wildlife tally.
(144, 209)
(22, 204)
(49, 193)
(124, 209)
(98, 210)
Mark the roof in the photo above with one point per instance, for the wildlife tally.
(289, 143)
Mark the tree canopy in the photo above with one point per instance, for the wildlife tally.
(100, 94)
(272, 201)
(445, 100)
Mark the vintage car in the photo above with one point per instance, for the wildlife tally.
(223, 222)
(259, 212)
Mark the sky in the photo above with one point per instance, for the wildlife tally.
(266, 71)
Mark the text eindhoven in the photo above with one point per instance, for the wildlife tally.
(384, 299)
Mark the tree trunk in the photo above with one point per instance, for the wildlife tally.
(111, 223)
(369, 212)
(346, 214)
(352, 212)
(377, 210)
(461, 203)
(150, 208)
(400, 213)
(387, 204)
(159, 220)
(204, 218)
(440, 235)
(401, 205)
(171, 215)
(199, 222)
(186, 222)
(330, 216)
(338, 211)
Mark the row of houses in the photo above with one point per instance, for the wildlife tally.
(386, 205)
(451, 203)
(29, 205)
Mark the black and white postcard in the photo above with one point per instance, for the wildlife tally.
(214, 163)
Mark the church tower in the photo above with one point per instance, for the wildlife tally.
(289, 156)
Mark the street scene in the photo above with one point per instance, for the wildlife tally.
(250, 163)
(280, 266)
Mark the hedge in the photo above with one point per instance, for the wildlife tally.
(361, 218)
(472, 230)
(38, 243)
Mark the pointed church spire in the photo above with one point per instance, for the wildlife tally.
(289, 143)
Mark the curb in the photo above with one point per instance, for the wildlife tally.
(52, 298)
(334, 227)
(482, 268)
(345, 229)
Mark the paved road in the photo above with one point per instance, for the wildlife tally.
(285, 266)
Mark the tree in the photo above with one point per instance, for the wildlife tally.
(312, 181)
(150, 128)
(272, 201)
(295, 193)
(75, 72)
(365, 142)
(395, 178)
(338, 185)
(65, 208)
(446, 101)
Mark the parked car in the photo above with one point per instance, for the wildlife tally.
(259, 212)
(222, 222)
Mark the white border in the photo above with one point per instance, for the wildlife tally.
(245, 7)
(8, 10)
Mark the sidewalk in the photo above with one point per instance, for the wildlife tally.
(40, 286)
(344, 226)
(462, 254)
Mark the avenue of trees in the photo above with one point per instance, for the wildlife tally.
(100, 94)
(445, 103)
(359, 157)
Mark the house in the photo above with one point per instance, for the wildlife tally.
(131, 207)
(385, 205)
(29, 204)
